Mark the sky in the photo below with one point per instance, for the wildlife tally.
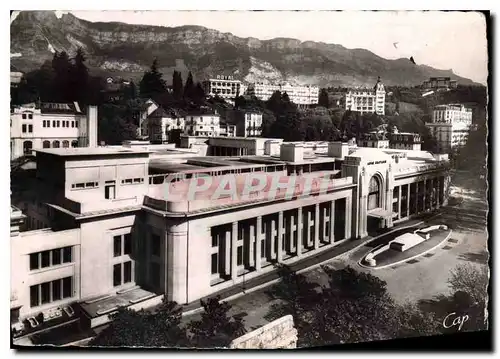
(444, 40)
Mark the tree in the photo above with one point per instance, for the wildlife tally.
(189, 88)
(215, 329)
(353, 307)
(198, 95)
(63, 91)
(131, 328)
(115, 124)
(323, 99)
(152, 84)
(79, 78)
(177, 85)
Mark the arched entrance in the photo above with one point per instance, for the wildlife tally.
(374, 206)
(27, 147)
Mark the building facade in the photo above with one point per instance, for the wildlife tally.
(161, 124)
(51, 125)
(450, 125)
(225, 87)
(439, 83)
(299, 95)
(202, 124)
(113, 237)
(366, 100)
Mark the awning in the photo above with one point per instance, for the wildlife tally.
(379, 213)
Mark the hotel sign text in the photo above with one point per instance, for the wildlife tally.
(375, 162)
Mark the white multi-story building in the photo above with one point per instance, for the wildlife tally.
(299, 95)
(225, 87)
(202, 124)
(104, 234)
(450, 125)
(366, 100)
(51, 125)
(161, 124)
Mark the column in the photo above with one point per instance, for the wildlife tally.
(176, 263)
(316, 226)
(416, 197)
(308, 229)
(299, 232)
(291, 248)
(279, 256)
(227, 253)
(332, 221)
(399, 202)
(425, 195)
(348, 217)
(324, 234)
(272, 252)
(234, 253)
(251, 245)
(258, 239)
(408, 200)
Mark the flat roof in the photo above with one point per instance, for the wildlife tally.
(92, 151)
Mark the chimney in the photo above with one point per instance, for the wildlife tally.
(92, 125)
(338, 149)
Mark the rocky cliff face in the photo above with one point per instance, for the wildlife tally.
(128, 50)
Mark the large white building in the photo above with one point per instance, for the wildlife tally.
(366, 100)
(299, 95)
(225, 87)
(103, 232)
(202, 124)
(51, 125)
(450, 125)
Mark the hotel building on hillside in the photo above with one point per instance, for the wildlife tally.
(299, 95)
(450, 125)
(395, 140)
(366, 100)
(161, 124)
(439, 83)
(112, 237)
(248, 122)
(225, 87)
(51, 125)
(202, 123)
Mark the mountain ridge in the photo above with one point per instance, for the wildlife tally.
(127, 50)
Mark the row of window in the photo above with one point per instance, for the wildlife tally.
(85, 185)
(28, 116)
(132, 180)
(52, 291)
(57, 123)
(50, 258)
(57, 144)
(27, 128)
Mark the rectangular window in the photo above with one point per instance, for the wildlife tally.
(56, 290)
(64, 124)
(56, 257)
(67, 284)
(34, 297)
(67, 254)
(117, 246)
(46, 292)
(215, 240)
(239, 260)
(215, 263)
(34, 264)
(117, 274)
(24, 116)
(155, 245)
(127, 244)
(30, 116)
(127, 272)
(76, 124)
(45, 259)
(24, 128)
(72, 124)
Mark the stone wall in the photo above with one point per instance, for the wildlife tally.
(279, 334)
